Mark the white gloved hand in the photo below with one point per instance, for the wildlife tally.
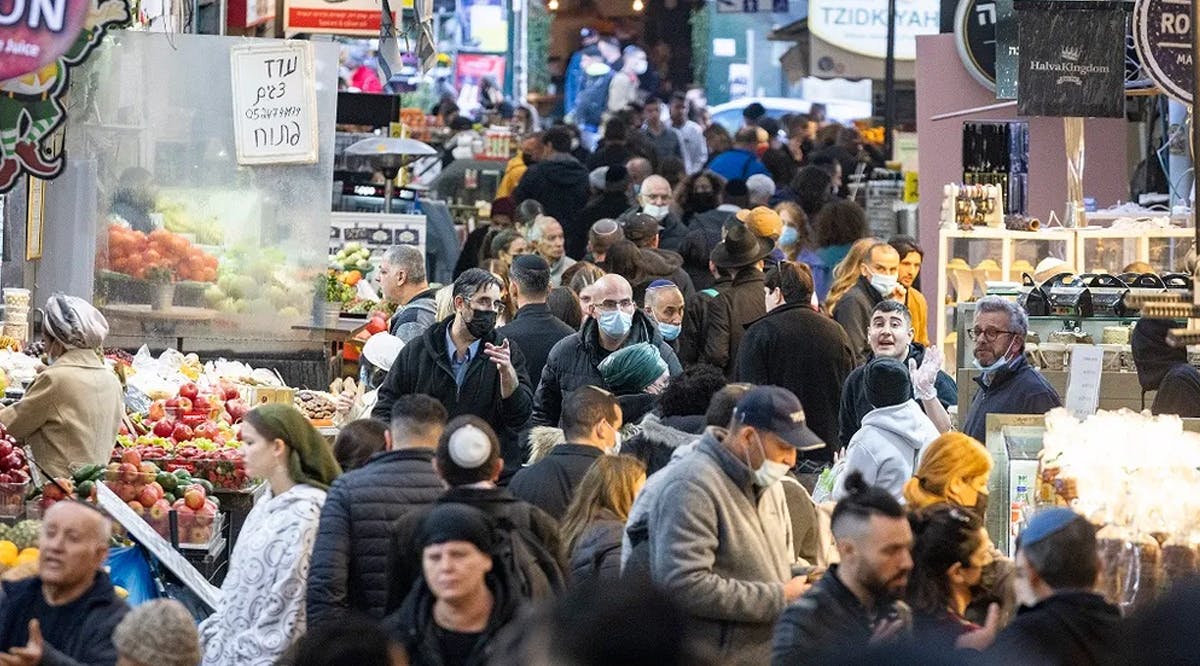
(924, 378)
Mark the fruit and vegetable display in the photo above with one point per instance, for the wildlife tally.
(257, 280)
(140, 255)
(14, 475)
(177, 218)
(19, 549)
(352, 257)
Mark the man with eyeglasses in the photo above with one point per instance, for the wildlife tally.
(1008, 385)
(464, 363)
(891, 334)
(614, 321)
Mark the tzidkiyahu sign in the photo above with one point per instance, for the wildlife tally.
(860, 26)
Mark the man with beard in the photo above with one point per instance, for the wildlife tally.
(855, 604)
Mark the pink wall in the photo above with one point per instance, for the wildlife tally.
(943, 85)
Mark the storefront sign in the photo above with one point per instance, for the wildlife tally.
(860, 26)
(1072, 59)
(274, 103)
(40, 42)
(1007, 50)
(250, 13)
(752, 6)
(1163, 34)
(334, 17)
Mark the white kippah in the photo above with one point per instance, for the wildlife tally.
(469, 447)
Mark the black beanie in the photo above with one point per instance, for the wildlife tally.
(456, 522)
(887, 382)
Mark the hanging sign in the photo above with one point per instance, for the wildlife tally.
(975, 39)
(1072, 59)
(1162, 33)
(274, 103)
(359, 18)
(40, 42)
(1007, 51)
(860, 26)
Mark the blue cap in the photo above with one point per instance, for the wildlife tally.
(658, 284)
(777, 410)
(1046, 523)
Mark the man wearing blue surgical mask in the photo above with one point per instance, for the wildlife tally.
(664, 304)
(1008, 384)
(614, 321)
(878, 281)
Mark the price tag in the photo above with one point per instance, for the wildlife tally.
(1083, 381)
(274, 103)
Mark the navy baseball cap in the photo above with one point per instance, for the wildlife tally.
(777, 410)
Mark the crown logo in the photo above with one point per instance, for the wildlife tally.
(1070, 53)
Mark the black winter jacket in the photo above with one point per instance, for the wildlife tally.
(423, 366)
(597, 552)
(855, 404)
(88, 641)
(704, 232)
(1067, 629)
(560, 184)
(807, 353)
(414, 627)
(550, 483)
(826, 625)
(348, 571)
(404, 557)
(695, 320)
(727, 317)
(574, 363)
(1165, 369)
(608, 205)
(1014, 389)
(853, 312)
(536, 331)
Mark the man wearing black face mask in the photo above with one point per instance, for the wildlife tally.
(467, 366)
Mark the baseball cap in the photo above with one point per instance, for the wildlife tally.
(777, 410)
(640, 226)
(764, 222)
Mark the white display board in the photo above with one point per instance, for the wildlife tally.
(1083, 382)
(376, 231)
(274, 103)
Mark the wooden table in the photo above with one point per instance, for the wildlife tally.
(161, 322)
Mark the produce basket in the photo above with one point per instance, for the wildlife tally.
(12, 499)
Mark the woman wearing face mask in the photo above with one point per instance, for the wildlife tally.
(378, 355)
(950, 551)
(72, 411)
(954, 469)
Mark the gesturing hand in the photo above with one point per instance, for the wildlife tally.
(924, 378)
(501, 355)
(31, 654)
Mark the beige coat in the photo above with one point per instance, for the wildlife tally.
(70, 414)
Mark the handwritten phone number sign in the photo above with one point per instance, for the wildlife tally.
(274, 103)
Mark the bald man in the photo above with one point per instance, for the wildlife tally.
(66, 614)
(639, 169)
(656, 200)
(664, 305)
(613, 322)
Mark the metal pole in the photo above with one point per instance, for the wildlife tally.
(889, 83)
(1195, 130)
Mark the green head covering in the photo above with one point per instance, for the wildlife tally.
(310, 458)
(633, 368)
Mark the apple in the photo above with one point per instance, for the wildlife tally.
(5, 449)
(158, 410)
(194, 497)
(198, 535)
(229, 391)
(189, 390)
(201, 405)
(208, 430)
(164, 428)
(19, 476)
(237, 409)
(132, 457)
(123, 430)
(182, 432)
(184, 404)
(128, 472)
(12, 461)
(137, 507)
(148, 468)
(160, 509)
(126, 491)
(206, 514)
(147, 496)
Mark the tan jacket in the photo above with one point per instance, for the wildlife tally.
(70, 414)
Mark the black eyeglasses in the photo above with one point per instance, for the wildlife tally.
(988, 335)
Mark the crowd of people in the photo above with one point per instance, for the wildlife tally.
(677, 407)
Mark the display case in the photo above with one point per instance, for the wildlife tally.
(1104, 250)
(185, 247)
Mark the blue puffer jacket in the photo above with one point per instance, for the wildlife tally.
(349, 561)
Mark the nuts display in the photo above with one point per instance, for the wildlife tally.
(316, 405)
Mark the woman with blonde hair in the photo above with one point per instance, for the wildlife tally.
(954, 470)
(595, 521)
(847, 272)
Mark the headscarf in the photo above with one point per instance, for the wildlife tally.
(75, 323)
(633, 368)
(310, 458)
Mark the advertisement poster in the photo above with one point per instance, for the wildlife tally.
(347, 17)
(1068, 65)
(484, 25)
(469, 71)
